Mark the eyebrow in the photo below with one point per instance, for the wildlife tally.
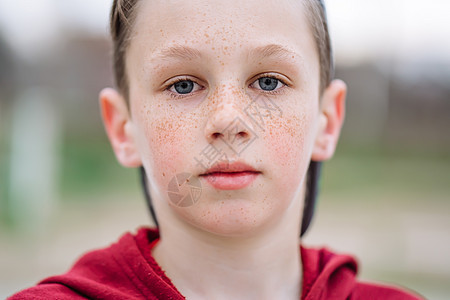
(267, 51)
(273, 50)
(180, 52)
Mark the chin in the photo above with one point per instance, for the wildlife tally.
(231, 217)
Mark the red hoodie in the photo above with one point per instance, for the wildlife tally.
(127, 270)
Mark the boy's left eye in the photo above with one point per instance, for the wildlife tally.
(267, 84)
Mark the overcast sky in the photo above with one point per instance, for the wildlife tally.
(361, 29)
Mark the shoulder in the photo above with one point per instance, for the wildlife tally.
(327, 275)
(115, 272)
(48, 291)
(365, 290)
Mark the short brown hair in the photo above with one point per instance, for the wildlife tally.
(123, 14)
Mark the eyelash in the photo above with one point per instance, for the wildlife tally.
(264, 75)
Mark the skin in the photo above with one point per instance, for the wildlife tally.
(242, 244)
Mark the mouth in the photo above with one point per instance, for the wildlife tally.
(231, 176)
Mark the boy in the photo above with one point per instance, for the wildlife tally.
(223, 104)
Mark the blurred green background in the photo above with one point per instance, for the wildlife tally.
(384, 197)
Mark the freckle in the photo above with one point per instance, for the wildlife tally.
(164, 174)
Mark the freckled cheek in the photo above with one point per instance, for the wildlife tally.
(287, 143)
(167, 144)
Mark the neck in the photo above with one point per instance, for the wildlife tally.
(266, 265)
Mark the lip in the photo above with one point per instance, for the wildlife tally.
(231, 176)
(227, 167)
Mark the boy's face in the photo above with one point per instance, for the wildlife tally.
(222, 82)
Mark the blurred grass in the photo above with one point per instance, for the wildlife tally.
(4, 168)
(361, 170)
(91, 168)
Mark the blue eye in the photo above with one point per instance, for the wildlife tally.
(184, 86)
(268, 83)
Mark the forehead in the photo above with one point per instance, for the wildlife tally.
(226, 25)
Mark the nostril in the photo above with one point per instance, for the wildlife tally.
(243, 134)
(216, 135)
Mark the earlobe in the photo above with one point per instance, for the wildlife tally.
(119, 127)
(330, 120)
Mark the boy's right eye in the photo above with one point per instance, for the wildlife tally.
(184, 86)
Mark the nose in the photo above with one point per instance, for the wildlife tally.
(229, 123)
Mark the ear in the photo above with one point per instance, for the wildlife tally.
(119, 127)
(331, 118)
